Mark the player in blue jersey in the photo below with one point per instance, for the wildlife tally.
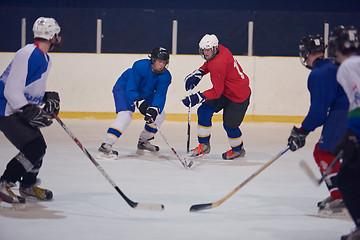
(328, 108)
(25, 107)
(345, 45)
(145, 86)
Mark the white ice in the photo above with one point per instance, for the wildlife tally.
(279, 203)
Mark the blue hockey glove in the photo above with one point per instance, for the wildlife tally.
(193, 79)
(151, 114)
(194, 99)
(297, 138)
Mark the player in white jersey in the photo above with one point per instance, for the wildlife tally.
(344, 44)
(24, 108)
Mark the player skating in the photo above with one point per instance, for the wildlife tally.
(344, 43)
(230, 93)
(145, 86)
(328, 108)
(22, 92)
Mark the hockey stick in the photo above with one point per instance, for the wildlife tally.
(183, 162)
(203, 206)
(135, 205)
(311, 174)
(189, 125)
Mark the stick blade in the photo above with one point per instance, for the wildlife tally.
(149, 206)
(200, 207)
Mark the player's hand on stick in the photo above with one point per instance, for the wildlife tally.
(193, 79)
(35, 116)
(142, 105)
(193, 99)
(151, 114)
(52, 103)
(297, 138)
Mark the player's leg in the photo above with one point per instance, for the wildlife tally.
(118, 126)
(148, 134)
(349, 185)
(233, 116)
(205, 113)
(32, 148)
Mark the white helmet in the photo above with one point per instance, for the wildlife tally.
(46, 28)
(209, 42)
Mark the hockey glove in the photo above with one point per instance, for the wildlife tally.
(193, 99)
(151, 114)
(35, 116)
(297, 138)
(52, 103)
(141, 105)
(349, 143)
(193, 79)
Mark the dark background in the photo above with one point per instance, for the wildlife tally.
(138, 26)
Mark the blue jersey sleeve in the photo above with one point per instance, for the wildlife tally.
(323, 89)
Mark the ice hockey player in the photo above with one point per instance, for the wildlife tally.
(145, 86)
(344, 44)
(328, 108)
(22, 95)
(230, 93)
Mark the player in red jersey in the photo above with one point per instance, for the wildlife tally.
(230, 93)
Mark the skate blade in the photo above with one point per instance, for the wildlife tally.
(106, 157)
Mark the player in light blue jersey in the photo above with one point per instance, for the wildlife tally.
(24, 108)
(145, 86)
(345, 45)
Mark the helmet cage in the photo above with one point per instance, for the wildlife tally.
(209, 42)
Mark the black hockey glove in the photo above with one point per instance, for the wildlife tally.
(193, 99)
(141, 105)
(349, 143)
(35, 116)
(193, 79)
(297, 138)
(151, 114)
(52, 103)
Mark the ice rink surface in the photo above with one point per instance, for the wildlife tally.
(279, 203)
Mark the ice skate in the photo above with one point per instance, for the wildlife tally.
(201, 150)
(230, 154)
(354, 235)
(324, 201)
(105, 151)
(7, 195)
(146, 145)
(335, 208)
(35, 192)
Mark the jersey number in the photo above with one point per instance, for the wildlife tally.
(236, 65)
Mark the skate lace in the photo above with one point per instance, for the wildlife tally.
(37, 192)
(229, 153)
(199, 149)
(7, 188)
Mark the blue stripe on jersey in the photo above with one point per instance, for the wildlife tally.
(37, 66)
(3, 100)
(114, 131)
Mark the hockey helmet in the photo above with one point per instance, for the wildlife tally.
(46, 28)
(344, 40)
(209, 42)
(310, 44)
(159, 53)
